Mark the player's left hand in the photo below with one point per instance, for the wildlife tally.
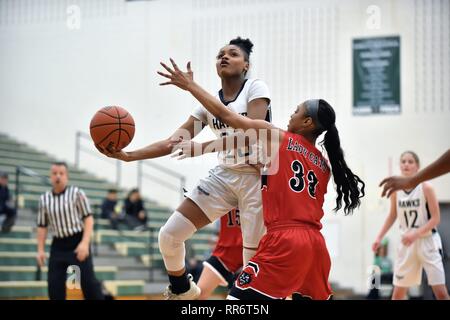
(187, 149)
(409, 237)
(82, 251)
(176, 76)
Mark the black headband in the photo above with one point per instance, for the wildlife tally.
(312, 107)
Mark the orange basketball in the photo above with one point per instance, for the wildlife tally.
(112, 127)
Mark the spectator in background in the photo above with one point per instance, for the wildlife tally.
(135, 214)
(6, 205)
(109, 208)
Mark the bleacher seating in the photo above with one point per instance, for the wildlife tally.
(122, 258)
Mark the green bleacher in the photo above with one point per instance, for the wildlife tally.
(122, 258)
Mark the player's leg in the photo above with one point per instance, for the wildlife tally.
(431, 254)
(399, 293)
(207, 202)
(218, 271)
(440, 292)
(180, 226)
(209, 280)
(407, 271)
(251, 215)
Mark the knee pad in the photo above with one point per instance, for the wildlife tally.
(171, 239)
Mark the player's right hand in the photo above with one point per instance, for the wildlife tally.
(376, 245)
(394, 183)
(40, 258)
(112, 153)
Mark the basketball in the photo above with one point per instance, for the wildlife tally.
(112, 127)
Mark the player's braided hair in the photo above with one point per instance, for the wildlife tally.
(347, 183)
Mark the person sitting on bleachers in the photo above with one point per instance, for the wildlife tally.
(135, 214)
(6, 206)
(109, 208)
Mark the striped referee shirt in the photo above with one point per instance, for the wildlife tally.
(64, 212)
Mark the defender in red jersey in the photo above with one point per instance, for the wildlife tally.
(292, 257)
(226, 259)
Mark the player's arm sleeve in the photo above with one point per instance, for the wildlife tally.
(82, 204)
(199, 113)
(258, 89)
(42, 219)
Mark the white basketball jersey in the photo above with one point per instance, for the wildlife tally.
(237, 159)
(412, 209)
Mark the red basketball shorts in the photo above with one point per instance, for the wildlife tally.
(290, 259)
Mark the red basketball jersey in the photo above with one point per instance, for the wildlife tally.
(229, 245)
(294, 189)
(230, 230)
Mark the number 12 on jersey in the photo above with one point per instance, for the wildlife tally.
(411, 218)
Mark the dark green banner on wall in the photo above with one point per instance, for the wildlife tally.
(376, 76)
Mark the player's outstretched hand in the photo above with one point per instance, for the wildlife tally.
(113, 153)
(394, 183)
(176, 76)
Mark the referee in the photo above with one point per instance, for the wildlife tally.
(65, 209)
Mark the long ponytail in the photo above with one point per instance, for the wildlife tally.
(347, 183)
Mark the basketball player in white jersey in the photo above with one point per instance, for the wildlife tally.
(233, 183)
(417, 211)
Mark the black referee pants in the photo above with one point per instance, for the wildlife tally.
(62, 256)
